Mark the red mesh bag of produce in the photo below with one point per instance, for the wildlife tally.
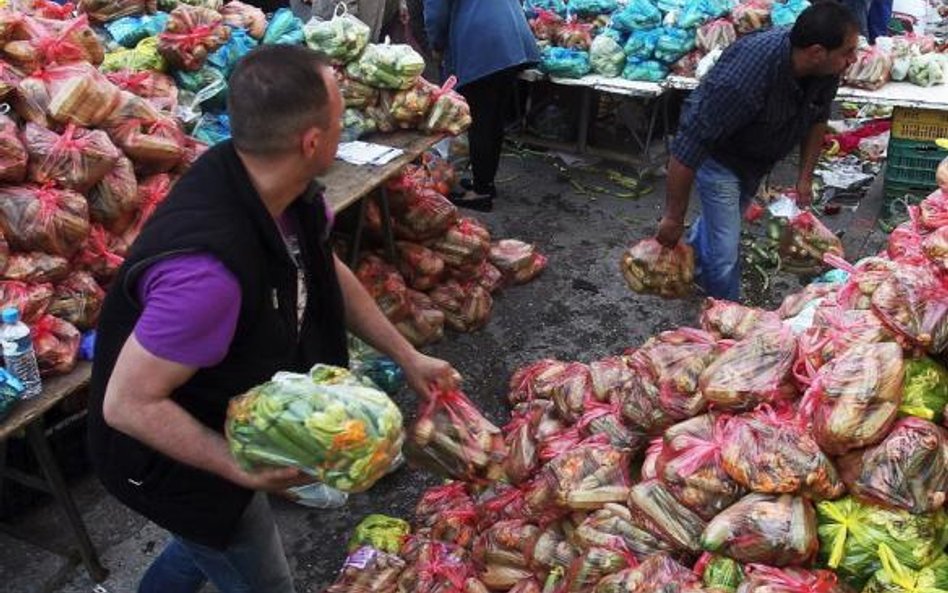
(589, 475)
(795, 303)
(808, 240)
(612, 527)
(498, 502)
(421, 267)
(10, 79)
(546, 24)
(569, 383)
(856, 397)
(114, 201)
(13, 155)
(31, 300)
(425, 324)
(594, 565)
(449, 113)
(905, 243)
(155, 145)
(611, 378)
(43, 219)
(717, 34)
(574, 35)
(433, 567)
(407, 108)
(367, 569)
(871, 70)
(245, 16)
(691, 465)
(766, 579)
(152, 191)
(193, 149)
(772, 451)
(440, 498)
(933, 211)
(465, 243)
(425, 214)
(908, 470)
(552, 551)
(77, 160)
(30, 99)
(834, 331)
(864, 278)
(104, 11)
(650, 268)
(913, 303)
(649, 469)
(753, 371)
(78, 300)
(488, 276)
(157, 88)
(935, 248)
(46, 9)
(97, 256)
(656, 574)
(553, 445)
(79, 94)
(751, 15)
(35, 267)
(607, 419)
(191, 35)
(502, 553)
(642, 406)
(452, 438)
(448, 512)
(725, 319)
(674, 360)
(50, 41)
(386, 286)
(656, 510)
(466, 308)
(56, 343)
(766, 529)
(521, 441)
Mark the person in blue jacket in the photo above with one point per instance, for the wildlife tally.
(484, 43)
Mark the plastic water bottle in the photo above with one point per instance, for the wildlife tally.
(18, 355)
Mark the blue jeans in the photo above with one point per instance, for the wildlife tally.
(716, 235)
(254, 562)
(880, 13)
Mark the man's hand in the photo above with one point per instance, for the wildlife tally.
(272, 479)
(670, 231)
(425, 374)
(804, 193)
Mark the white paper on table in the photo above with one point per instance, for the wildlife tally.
(367, 153)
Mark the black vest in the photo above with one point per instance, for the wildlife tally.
(215, 209)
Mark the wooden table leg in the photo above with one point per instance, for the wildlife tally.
(357, 239)
(387, 231)
(44, 455)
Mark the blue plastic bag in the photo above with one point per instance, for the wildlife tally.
(11, 391)
(531, 7)
(284, 28)
(207, 85)
(673, 44)
(592, 7)
(87, 345)
(128, 31)
(642, 43)
(786, 14)
(637, 14)
(212, 128)
(565, 63)
(698, 12)
(227, 56)
(644, 70)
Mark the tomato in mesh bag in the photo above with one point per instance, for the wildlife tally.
(31, 300)
(157, 88)
(421, 267)
(407, 108)
(766, 579)
(97, 256)
(423, 215)
(612, 527)
(35, 267)
(56, 343)
(452, 438)
(78, 300)
(497, 502)
(933, 211)
(466, 308)
(43, 219)
(674, 360)
(725, 319)
(656, 510)
(464, 243)
(77, 160)
(935, 247)
(765, 528)
(753, 371)
(386, 286)
(691, 466)
(908, 470)
(13, 154)
(191, 35)
(656, 574)
(425, 324)
(502, 553)
(650, 268)
(855, 398)
(113, 202)
(913, 303)
(834, 331)
(772, 451)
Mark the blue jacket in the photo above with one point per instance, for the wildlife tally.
(479, 37)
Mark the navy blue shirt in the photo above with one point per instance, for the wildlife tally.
(749, 112)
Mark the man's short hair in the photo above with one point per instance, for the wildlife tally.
(826, 23)
(276, 92)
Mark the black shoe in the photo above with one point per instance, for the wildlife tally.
(467, 183)
(471, 201)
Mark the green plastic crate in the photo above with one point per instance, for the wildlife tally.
(911, 162)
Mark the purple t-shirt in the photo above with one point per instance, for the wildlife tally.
(190, 307)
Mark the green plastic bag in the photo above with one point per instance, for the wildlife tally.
(850, 534)
(646, 70)
(342, 38)
(207, 84)
(145, 56)
(720, 573)
(381, 532)
(895, 577)
(606, 56)
(565, 63)
(924, 389)
(343, 432)
(284, 28)
(387, 66)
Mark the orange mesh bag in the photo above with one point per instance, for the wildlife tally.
(650, 268)
(77, 160)
(35, 267)
(244, 16)
(466, 308)
(97, 256)
(56, 343)
(13, 156)
(191, 35)
(78, 300)
(31, 299)
(43, 219)
(386, 286)
(421, 267)
(114, 201)
(157, 88)
(465, 243)
(103, 11)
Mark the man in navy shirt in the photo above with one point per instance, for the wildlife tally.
(770, 92)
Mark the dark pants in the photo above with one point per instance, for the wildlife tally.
(880, 12)
(860, 9)
(489, 98)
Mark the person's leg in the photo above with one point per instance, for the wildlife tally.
(254, 562)
(716, 236)
(479, 135)
(860, 9)
(880, 13)
(173, 571)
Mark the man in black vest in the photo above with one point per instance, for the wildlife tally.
(231, 280)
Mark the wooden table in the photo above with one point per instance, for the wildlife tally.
(347, 184)
(27, 419)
